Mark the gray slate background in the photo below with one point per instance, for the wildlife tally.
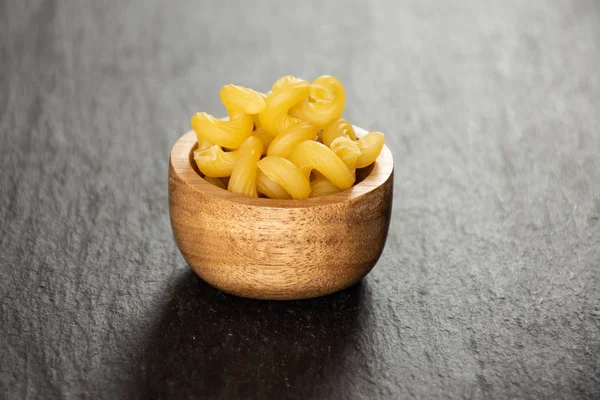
(489, 286)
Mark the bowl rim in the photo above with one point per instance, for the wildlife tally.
(179, 161)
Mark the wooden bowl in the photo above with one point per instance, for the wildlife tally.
(278, 249)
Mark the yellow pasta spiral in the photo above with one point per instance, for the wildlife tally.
(338, 128)
(346, 149)
(240, 104)
(275, 118)
(310, 155)
(326, 103)
(370, 147)
(243, 176)
(215, 162)
(287, 175)
(284, 143)
(266, 186)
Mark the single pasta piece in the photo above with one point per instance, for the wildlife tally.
(370, 147)
(321, 186)
(228, 134)
(266, 186)
(338, 128)
(215, 181)
(243, 176)
(284, 143)
(275, 118)
(326, 103)
(285, 174)
(346, 149)
(240, 104)
(264, 137)
(240, 98)
(214, 162)
(310, 155)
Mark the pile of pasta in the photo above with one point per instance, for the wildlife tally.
(290, 143)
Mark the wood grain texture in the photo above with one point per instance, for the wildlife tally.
(279, 249)
(488, 286)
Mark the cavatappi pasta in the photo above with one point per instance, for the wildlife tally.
(290, 143)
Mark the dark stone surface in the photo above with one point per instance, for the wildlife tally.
(489, 286)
